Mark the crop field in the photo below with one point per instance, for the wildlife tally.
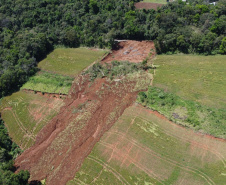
(26, 113)
(197, 78)
(70, 61)
(50, 83)
(144, 148)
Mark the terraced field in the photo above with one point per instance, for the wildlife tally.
(144, 148)
(25, 114)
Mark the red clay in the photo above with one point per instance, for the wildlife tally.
(132, 51)
(145, 5)
(63, 144)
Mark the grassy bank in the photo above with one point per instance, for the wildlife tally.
(185, 112)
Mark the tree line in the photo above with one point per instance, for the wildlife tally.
(30, 29)
(8, 151)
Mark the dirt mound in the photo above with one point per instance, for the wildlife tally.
(91, 108)
(133, 51)
(145, 5)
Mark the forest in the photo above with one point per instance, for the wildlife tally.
(30, 29)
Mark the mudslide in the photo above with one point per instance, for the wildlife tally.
(91, 108)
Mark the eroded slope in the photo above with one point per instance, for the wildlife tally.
(90, 109)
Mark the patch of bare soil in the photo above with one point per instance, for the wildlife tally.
(91, 108)
(146, 5)
(132, 51)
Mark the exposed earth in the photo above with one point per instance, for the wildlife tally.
(133, 51)
(91, 108)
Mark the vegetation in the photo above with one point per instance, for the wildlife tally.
(8, 152)
(142, 148)
(25, 114)
(185, 112)
(156, 1)
(197, 78)
(70, 61)
(50, 83)
(30, 29)
(116, 69)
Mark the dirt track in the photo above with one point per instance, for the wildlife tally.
(89, 111)
(132, 51)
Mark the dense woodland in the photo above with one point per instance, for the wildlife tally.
(30, 29)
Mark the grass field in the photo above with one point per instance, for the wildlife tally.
(25, 114)
(69, 61)
(50, 83)
(197, 78)
(155, 1)
(143, 148)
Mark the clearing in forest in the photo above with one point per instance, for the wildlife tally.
(155, 1)
(193, 77)
(70, 61)
(143, 147)
(150, 4)
(25, 114)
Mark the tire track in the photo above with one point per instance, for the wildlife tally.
(105, 165)
(131, 140)
(204, 147)
(23, 129)
(141, 167)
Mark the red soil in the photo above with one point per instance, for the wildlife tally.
(63, 144)
(133, 51)
(145, 5)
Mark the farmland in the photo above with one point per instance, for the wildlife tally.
(26, 113)
(49, 82)
(70, 61)
(144, 148)
(192, 77)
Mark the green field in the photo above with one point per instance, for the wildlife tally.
(25, 114)
(142, 148)
(185, 112)
(69, 61)
(50, 83)
(156, 1)
(197, 78)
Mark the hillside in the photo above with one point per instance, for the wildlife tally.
(112, 92)
(99, 126)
